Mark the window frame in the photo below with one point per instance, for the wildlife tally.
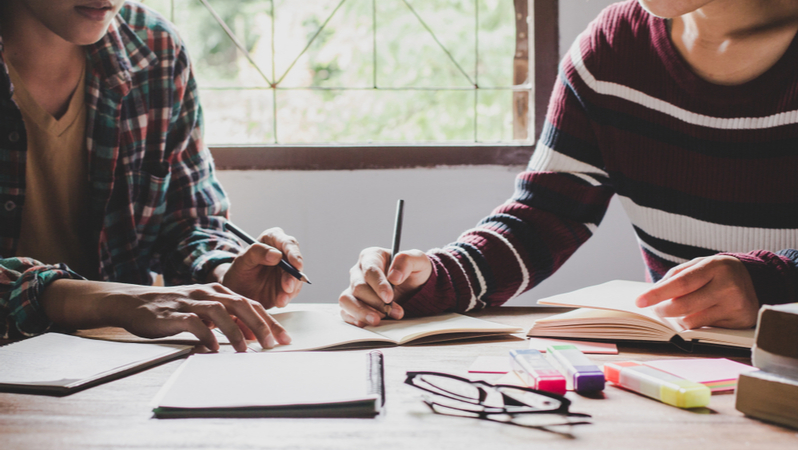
(544, 66)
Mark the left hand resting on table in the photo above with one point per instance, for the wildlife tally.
(712, 291)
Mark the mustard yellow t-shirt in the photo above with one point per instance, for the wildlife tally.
(54, 217)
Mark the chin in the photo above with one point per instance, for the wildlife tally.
(669, 9)
(84, 34)
(88, 38)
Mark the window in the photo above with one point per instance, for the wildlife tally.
(345, 84)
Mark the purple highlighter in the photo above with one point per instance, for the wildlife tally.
(585, 376)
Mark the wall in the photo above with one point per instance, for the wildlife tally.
(335, 214)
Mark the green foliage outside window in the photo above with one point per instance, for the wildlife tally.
(372, 74)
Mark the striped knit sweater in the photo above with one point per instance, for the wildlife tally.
(700, 169)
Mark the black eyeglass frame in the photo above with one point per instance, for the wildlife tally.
(483, 386)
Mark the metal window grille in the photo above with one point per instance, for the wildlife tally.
(284, 150)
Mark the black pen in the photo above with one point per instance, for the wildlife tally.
(250, 241)
(398, 229)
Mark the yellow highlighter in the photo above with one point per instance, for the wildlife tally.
(657, 384)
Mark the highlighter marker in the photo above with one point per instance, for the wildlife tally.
(585, 376)
(536, 372)
(658, 384)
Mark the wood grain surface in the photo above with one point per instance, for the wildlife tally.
(118, 414)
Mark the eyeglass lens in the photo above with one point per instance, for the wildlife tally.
(497, 397)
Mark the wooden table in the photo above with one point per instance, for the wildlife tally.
(118, 414)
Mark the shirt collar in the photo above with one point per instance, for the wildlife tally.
(113, 58)
(118, 55)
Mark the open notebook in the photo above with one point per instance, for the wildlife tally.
(607, 311)
(303, 384)
(316, 330)
(60, 364)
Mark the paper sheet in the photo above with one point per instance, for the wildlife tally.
(702, 370)
(59, 358)
(312, 330)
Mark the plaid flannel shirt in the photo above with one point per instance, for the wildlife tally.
(154, 200)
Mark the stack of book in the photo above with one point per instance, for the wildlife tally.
(770, 393)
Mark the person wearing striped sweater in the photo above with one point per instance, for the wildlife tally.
(687, 111)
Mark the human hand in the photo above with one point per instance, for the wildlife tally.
(372, 291)
(153, 312)
(712, 291)
(256, 275)
(158, 311)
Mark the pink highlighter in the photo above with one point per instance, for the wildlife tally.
(536, 372)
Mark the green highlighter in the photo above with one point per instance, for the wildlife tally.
(657, 384)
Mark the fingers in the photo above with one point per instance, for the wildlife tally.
(291, 286)
(407, 263)
(361, 314)
(217, 313)
(686, 305)
(273, 246)
(368, 278)
(180, 321)
(285, 244)
(710, 291)
(714, 316)
(278, 331)
(260, 254)
(252, 314)
(683, 281)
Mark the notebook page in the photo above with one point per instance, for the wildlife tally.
(314, 330)
(402, 331)
(61, 359)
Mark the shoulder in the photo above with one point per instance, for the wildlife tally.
(618, 25)
(152, 28)
(611, 48)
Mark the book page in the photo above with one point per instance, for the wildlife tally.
(617, 295)
(233, 380)
(61, 360)
(406, 330)
(591, 323)
(315, 330)
(724, 336)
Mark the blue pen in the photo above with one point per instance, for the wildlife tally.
(250, 241)
(585, 375)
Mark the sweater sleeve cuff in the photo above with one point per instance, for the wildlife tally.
(434, 297)
(26, 315)
(774, 276)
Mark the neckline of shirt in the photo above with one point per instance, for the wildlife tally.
(43, 119)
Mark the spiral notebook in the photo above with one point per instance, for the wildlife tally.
(291, 384)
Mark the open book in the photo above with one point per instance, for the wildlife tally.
(60, 364)
(607, 312)
(315, 330)
(333, 384)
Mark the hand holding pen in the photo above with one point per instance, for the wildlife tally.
(381, 278)
(268, 271)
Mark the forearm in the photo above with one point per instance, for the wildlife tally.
(22, 282)
(82, 304)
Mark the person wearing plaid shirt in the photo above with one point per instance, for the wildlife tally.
(137, 193)
(687, 111)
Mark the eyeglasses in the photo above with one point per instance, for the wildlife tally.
(456, 396)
